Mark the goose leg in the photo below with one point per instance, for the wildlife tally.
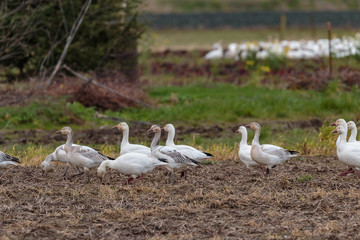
(184, 173)
(66, 170)
(78, 174)
(88, 176)
(350, 170)
(129, 180)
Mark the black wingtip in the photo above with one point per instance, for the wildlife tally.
(196, 162)
(208, 154)
(15, 159)
(110, 158)
(163, 160)
(293, 152)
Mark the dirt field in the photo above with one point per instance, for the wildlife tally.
(305, 199)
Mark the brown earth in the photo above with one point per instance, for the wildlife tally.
(113, 136)
(305, 199)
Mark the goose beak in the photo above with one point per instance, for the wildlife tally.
(163, 128)
(335, 131)
(333, 124)
(237, 131)
(58, 131)
(150, 130)
(115, 126)
(247, 125)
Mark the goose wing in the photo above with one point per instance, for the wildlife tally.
(177, 156)
(7, 158)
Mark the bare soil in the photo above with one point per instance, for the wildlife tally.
(113, 136)
(304, 199)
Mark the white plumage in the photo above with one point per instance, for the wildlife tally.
(6, 160)
(347, 152)
(131, 164)
(127, 147)
(174, 158)
(244, 149)
(80, 156)
(188, 151)
(352, 127)
(215, 53)
(267, 155)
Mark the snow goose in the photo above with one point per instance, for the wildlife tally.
(188, 151)
(352, 126)
(127, 147)
(244, 149)
(273, 155)
(215, 53)
(131, 164)
(347, 153)
(174, 158)
(80, 156)
(6, 160)
(59, 155)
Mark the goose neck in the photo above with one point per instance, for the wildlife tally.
(170, 138)
(156, 140)
(125, 138)
(243, 141)
(255, 141)
(69, 142)
(353, 134)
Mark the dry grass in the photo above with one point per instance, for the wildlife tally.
(305, 199)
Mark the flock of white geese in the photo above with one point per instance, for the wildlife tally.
(136, 160)
(291, 49)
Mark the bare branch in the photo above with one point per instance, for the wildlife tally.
(69, 39)
(88, 80)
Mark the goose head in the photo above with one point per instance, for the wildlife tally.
(339, 122)
(46, 166)
(253, 125)
(241, 130)
(121, 126)
(339, 130)
(155, 129)
(351, 125)
(65, 131)
(168, 127)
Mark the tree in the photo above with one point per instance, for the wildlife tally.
(33, 34)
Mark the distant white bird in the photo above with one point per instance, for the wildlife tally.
(80, 157)
(127, 147)
(6, 160)
(169, 154)
(188, 151)
(215, 53)
(233, 51)
(347, 153)
(132, 164)
(274, 156)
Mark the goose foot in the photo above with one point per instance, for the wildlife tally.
(350, 170)
(75, 175)
(129, 180)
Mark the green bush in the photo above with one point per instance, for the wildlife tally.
(34, 33)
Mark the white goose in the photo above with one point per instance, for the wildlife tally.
(127, 147)
(59, 155)
(80, 157)
(6, 160)
(244, 149)
(347, 153)
(342, 122)
(133, 164)
(169, 154)
(215, 53)
(273, 155)
(188, 151)
(352, 126)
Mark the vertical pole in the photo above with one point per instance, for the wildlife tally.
(330, 55)
(282, 26)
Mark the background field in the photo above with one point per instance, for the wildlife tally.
(293, 100)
